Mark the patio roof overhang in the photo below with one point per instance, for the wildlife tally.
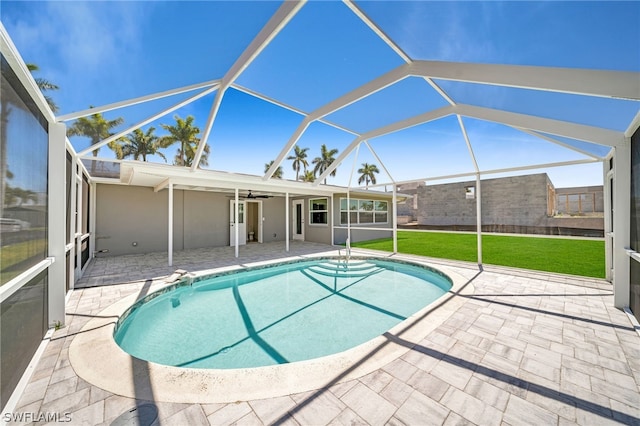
(159, 177)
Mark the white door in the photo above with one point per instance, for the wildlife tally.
(242, 227)
(298, 220)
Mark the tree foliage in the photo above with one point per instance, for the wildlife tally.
(299, 158)
(323, 162)
(44, 85)
(277, 174)
(96, 128)
(139, 144)
(368, 174)
(186, 134)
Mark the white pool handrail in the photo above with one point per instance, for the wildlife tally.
(348, 245)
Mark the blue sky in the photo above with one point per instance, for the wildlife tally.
(103, 52)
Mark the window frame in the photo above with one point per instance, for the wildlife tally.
(312, 211)
(360, 202)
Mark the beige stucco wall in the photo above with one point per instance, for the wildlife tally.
(273, 212)
(125, 215)
(128, 214)
(322, 233)
(316, 233)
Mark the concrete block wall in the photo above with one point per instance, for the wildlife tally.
(592, 200)
(516, 200)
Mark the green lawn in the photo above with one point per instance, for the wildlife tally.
(13, 254)
(566, 256)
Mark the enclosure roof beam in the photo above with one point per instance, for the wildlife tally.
(555, 127)
(391, 128)
(389, 42)
(290, 108)
(361, 92)
(607, 84)
(135, 101)
(276, 23)
(379, 160)
(563, 144)
(493, 171)
(463, 129)
(147, 121)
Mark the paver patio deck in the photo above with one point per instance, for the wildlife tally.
(525, 348)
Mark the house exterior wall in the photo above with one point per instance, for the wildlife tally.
(317, 233)
(204, 221)
(128, 214)
(274, 225)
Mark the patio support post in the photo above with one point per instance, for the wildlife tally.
(353, 168)
(621, 223)
(73, 208)
(479, 217)
(478, 196)
(170, 225)
(92, 220)
(286, 221)
(348, 242)
(77, 238)
(56, 233)
(236, 215)
(331, 218)
(394, 209)
(607, 177)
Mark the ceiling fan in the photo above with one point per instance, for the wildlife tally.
(251, 196)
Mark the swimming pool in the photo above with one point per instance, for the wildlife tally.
(278, 314)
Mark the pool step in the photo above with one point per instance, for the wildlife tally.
(343, 261)
(339, 271)
(334, 266)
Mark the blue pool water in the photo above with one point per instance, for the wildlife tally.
(277, 314)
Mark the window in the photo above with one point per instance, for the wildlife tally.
(363, 211)
(470, 192)
(318, 211)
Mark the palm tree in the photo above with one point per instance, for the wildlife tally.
(185, 133)
(367, 174)
(96, 128)
(299, 158)
(324, 161)
(44, 85)
(308, 176)
(140, 144)
(277, 174)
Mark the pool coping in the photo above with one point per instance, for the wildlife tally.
(96, 358)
